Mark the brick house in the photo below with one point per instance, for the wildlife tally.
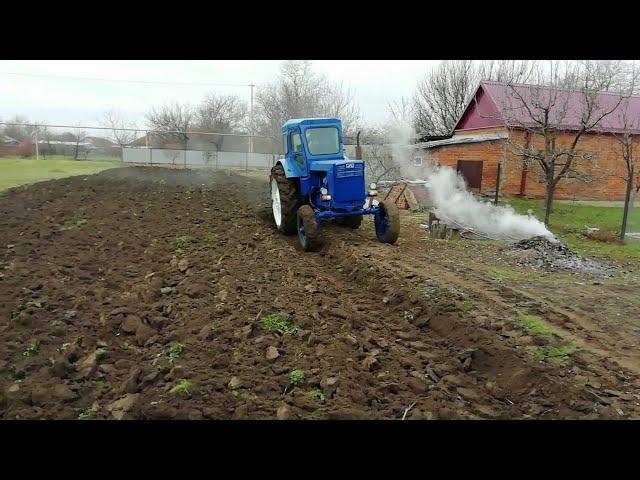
(480, 143)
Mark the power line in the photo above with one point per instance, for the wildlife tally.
(129, 81)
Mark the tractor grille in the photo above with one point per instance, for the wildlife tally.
(357, 170)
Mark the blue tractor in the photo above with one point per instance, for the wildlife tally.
(315, 181)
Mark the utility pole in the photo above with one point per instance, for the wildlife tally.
(35, 134)
(251, 120)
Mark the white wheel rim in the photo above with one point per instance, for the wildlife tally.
(275, 202)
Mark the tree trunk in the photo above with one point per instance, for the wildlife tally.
(549, 200)
(627, 204)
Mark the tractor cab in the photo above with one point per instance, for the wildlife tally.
(315, 181)
(309, 140)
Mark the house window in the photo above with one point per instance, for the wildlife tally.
(417, 161)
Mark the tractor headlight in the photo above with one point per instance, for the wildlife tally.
(373, 186)
(324, 191)
(373, 193)
(326, 198)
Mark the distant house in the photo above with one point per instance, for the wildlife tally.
(100, 142)
(9, 146)
(7, 141)
(478, 145)
(67, 149)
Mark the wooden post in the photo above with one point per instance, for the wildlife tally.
(495, 201)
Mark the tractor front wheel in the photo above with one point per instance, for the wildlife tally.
(308, 231)
(284, 200)
(387, 222)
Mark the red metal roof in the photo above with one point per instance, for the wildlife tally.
(566, 112)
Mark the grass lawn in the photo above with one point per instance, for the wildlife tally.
(569, 220)
(16, 171)
(577, 217)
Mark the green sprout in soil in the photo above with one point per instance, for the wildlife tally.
(407, 315)
(296, 377)
(535, 326)
(182, 386)
(278, 323)
(175, 351)
(213, 237)
(317, 395)
(557, 352)
(125, 345)
(32, 349)
(100, 384)
(88, 413)
(466, 307)
(74, 224)
(182, 241)
(243, 395)
(30, 304)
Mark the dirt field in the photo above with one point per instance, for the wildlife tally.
(141, 293)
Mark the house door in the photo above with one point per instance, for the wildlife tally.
(471, 171)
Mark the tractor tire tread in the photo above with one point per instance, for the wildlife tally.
(392, 213)
(289, 201)
(307, 216)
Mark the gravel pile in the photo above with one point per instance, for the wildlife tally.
(540, 252)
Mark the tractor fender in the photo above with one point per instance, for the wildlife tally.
(290, 170)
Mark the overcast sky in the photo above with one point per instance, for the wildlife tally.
(69, 101)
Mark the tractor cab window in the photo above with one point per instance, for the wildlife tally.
(323, 140)
(296, 142)
(285, 149)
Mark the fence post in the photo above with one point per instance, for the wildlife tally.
(495, 201)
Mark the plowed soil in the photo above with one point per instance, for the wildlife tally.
(119, 288)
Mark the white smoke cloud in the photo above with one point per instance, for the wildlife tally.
(454, 204)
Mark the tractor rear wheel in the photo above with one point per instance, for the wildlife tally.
(308, 230)
(284, 200)
(350, 222)
(387, 222)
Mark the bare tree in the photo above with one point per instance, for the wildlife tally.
(555, 118)
(79, 137)
(379, 161)
(114, 119)
(23, 133)
(300, 92)
(45, 134)
(222, 114)
(443, 93)
(401, 111)
(175, 120)
(627, 141)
